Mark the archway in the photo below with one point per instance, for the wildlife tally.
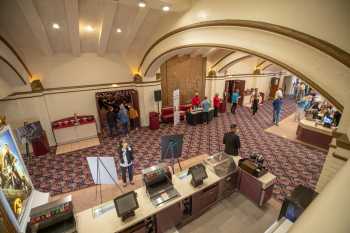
(311, 65)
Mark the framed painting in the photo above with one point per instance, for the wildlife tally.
(16, 188)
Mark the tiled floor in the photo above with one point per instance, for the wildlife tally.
(235, 214)
(70, 147)
(287, 129)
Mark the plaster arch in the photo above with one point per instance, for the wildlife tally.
(323, 72)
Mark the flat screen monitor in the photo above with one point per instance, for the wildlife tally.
(198, 172)
(126, 203)
(30, 131)
(171, 145)
(292, 211)
(327, 121)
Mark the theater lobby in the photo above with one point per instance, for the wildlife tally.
(174, 116)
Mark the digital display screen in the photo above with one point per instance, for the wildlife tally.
(198, 172)
(327, 120)
(15, 184)
(292, 212)
(126, 203)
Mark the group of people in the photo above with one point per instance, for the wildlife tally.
(318, 109)
(120, 115)
(117, 115)
(205, 104)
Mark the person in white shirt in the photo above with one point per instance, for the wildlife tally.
(279, 93)
(126, 159)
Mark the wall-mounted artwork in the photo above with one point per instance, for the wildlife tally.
(15, 185)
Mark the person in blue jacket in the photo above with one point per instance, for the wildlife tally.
(277, 107)
(124, 120)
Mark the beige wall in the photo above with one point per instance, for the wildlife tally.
(87, 69)
(53, 105)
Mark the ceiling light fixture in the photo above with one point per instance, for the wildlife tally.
(55, 26)
(89, 28)
(142, 4)
(166, 8)
(119, 30)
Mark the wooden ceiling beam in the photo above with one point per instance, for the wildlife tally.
(36, 25)
(72, 16)
(106, 27)
(135, 27)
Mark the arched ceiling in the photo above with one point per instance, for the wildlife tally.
(298, 58)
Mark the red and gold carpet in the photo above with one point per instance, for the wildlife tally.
(293, 163)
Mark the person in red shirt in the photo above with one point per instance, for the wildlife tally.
(216, 101)
(196, 100)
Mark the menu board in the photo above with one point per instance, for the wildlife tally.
(15, 185)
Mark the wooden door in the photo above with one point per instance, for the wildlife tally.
(275, 82)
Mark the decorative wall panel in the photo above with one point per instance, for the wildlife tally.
(186, 73)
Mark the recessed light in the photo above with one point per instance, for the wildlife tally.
(142, 4)
(89, 28)
(166, 8)
(119, 30)
(55, 26)
(114, 85)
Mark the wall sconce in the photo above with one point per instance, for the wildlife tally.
(2, 121)
(137, 78)
(212, 73)
(35, 83)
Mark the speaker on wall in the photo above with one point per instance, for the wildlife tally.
(157, 95)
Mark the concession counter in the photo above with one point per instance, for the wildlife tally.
(189, 204)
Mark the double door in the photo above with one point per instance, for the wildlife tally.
(232, 85)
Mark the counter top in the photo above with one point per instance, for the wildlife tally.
(109, 222)
(310, 125)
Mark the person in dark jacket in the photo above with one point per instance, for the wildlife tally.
(126, 159)
(111, 121)
(277, 107)
(255, 101)
(232, 141)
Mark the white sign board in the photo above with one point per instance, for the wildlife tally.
(176, 104)
(105, 165)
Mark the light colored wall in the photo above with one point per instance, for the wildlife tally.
(53, 105)
(87, 69)
(5, 88)
(246, 66)
(320, 15)
(9, 80)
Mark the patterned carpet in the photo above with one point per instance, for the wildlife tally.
(293, 163)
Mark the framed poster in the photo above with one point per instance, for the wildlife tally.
(16, 187)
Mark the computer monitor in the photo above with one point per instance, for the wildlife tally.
(171, 146)
(327, 121)
(126, 204)
(198, 173)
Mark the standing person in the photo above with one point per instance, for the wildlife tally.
(196, 100)
(126, 159)
(301, 104)
(255, 101)
(206, 106)
(234, 99)
(232, 141)
(277, 107)
(124, 120)
(216, 102)
(111, 121)
(279, 93)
